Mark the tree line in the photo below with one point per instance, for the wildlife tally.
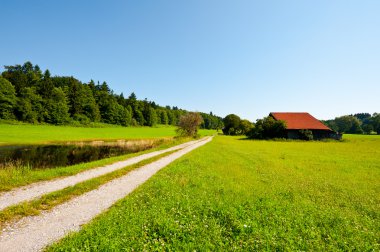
(30, 95)
(360, 123)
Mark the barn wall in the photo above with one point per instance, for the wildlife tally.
(293, 134)
(317, 134)
(321, 134)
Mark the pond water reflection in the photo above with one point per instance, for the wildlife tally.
(48, 156)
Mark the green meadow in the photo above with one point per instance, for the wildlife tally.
(37, 134)
(234, 194)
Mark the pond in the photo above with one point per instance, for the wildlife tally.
(58, 155)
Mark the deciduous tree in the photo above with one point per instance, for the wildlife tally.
(188, 124)
(268, 128)
(231, 124)
(7, 99)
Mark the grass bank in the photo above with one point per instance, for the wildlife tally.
(40, 134)
(250, 195)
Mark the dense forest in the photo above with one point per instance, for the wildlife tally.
(30, 95)
(361, 123)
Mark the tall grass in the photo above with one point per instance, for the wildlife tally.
(12, 171)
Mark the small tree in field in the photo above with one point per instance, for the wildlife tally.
(188, 124)
(231, 124)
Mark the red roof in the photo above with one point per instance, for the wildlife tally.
(299, 121)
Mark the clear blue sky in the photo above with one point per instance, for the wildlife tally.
(243, 57)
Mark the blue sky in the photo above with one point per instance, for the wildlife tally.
(244, 57)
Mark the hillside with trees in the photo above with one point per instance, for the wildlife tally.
(27, 94)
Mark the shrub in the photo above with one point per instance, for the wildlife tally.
(82, 119)
(188, 124)
(245, 126)
(268, 128)
(306, 134)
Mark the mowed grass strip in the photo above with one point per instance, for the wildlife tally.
(50, 200)
(12, 177)
(233, 194)
(40, 134)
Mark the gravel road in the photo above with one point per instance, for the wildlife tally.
(36, 190)
(36, 232)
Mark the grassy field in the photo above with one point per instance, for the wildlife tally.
(36, 134)
(250, 195)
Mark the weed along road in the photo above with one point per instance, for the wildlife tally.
(35, 233)
(36, 190)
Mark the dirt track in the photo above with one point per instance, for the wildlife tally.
(36, 190)
(35, 233)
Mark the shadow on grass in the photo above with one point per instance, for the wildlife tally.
(294, 140)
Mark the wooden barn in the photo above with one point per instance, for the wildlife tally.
(297, 122)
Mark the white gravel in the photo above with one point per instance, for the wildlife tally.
(36, 190)
(35, 233)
